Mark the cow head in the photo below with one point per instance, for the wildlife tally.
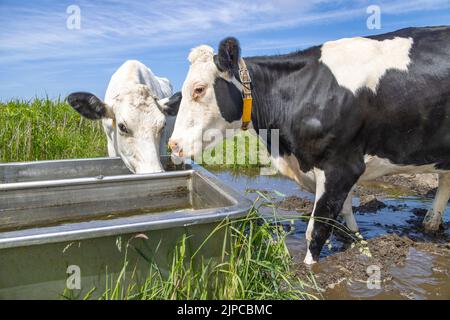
(211, 98)
(138, 123)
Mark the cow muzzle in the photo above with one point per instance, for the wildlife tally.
(175, 148)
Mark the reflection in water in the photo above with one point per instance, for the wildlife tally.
(425, 272)
(424, 275)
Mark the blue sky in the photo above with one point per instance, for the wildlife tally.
(40, 56)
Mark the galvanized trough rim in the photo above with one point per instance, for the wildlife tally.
(94, 180)
(126, 225)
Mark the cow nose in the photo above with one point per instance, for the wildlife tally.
(175, 148)
(173, 145)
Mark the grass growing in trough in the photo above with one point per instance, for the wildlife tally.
(255, 264)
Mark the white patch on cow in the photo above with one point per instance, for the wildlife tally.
(320, 190)
(289, 167)
(308, 258)
(165, 87)
(108, 128)
(361, 62)
(347, 213)
(314, 122)
(377, 167)
(195, 114)
(201, 54)
(137, 110)
(433, 218)
(131, 96)
(134, 72)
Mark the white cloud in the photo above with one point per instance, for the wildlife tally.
(39, 55)
(117, 26)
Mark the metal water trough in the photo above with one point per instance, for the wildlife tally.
(64, 219)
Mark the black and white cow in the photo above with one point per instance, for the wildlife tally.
(382, 100)
(136, 127)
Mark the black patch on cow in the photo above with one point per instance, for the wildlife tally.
(396, 123)
(88, 105)
(229, 100)
(228, 55)
(443, 165)
(328, 127)
(172, 106)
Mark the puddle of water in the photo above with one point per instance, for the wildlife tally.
(424, 275)
(249, 179)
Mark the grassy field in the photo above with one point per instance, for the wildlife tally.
(44, 129)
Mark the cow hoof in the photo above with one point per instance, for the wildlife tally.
(431, 222)
(309, 260)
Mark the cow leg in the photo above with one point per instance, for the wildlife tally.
(289, 167)
(347, 213)
(333, 185)
(433, 219)
(320, 190)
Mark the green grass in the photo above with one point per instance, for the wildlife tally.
(44, 129)
(255, 265)
(244, 151)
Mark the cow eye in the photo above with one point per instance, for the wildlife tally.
(123, 128)
(199, 90)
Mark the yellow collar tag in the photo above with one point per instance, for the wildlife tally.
(247, 100)
(246, 112)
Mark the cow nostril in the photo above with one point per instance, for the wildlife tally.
(173, 145)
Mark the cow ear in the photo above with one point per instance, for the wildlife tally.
(229, 54)
(89, 106)
(170, 105)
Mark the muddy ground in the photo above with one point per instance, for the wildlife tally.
(338, 275)
(419, 185)
(389, 212)
(371, 199)
(303, 206)
(387, 253)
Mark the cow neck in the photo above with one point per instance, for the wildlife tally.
(269, 111)
(265, 115)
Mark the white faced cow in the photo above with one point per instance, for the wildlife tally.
(136, 127)
(348, 110)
